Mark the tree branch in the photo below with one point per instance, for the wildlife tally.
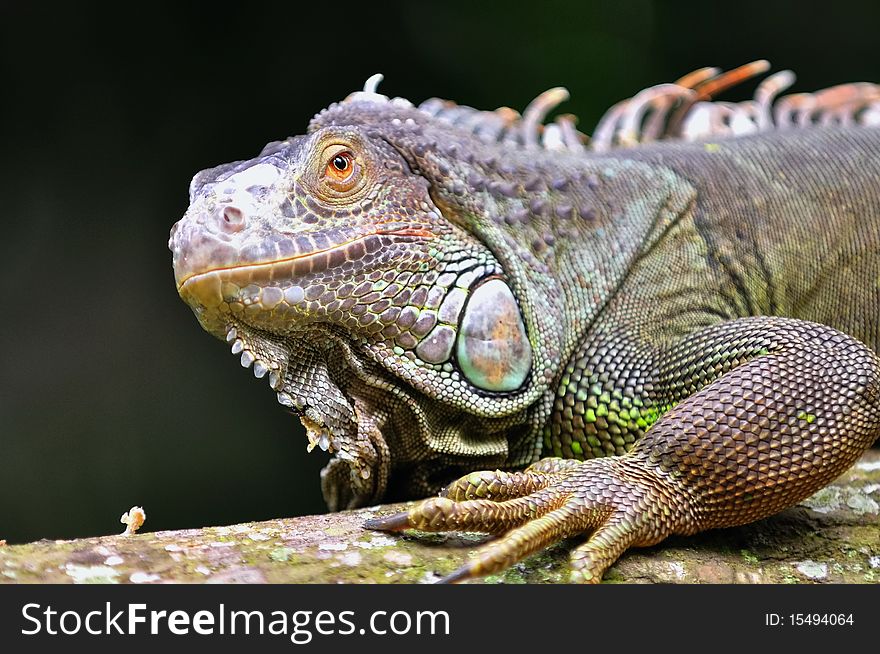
(832, 537)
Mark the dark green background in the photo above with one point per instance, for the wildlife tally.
(110, 393)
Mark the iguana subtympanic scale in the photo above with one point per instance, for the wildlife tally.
(439, 290)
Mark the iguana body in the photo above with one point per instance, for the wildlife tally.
(436, 291)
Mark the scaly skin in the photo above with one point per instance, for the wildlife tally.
(440, 290)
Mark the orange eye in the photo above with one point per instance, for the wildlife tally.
(340, 167)
(343, 172)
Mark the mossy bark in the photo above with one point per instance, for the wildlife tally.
(833, 536)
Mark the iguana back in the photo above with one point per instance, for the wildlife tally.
(788, 224)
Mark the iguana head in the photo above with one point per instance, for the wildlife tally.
(338, 265)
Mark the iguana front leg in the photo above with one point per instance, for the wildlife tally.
(781, 407)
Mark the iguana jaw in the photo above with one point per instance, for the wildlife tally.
(276, 295)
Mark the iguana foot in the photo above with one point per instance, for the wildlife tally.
(618, 500)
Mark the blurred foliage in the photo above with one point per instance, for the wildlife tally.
(110, 394)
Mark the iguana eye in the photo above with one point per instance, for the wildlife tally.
(342, 164)
(342, 171)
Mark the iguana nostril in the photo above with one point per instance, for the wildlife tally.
(232, 219)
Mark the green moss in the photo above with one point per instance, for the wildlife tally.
(281, 554)
(749, 558)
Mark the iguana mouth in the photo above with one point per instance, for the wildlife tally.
(276, 287)
(308, 262)
(207, 287)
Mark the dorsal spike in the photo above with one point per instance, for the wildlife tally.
(715, 85)
(372, 83)
(538, 109)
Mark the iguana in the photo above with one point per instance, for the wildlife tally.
(438, 290)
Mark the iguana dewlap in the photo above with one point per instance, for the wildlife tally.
(437, 290)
